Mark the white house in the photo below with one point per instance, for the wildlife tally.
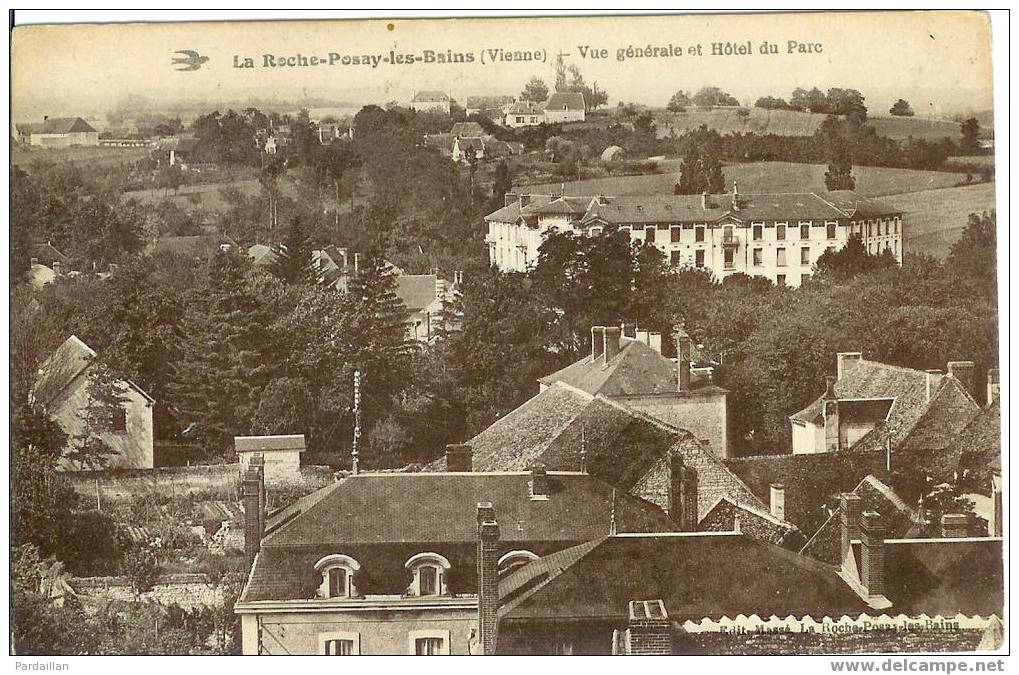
(431, 101)
(565, 106)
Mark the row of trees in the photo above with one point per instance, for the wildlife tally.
(706, 97)
(836, 101)
(568, 79)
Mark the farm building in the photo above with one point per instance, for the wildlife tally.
(57, 132)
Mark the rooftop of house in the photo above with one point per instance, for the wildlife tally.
(417, 291)
(470, 143)
(57, 125)
(526, 108)
(565, 100)
(261, 254)
(269, 443)
(482, 102)
(468, 129)
(46, 253)
(430, 96)
(382, 519)
(696, 575)
(979, 446)
(57, 372)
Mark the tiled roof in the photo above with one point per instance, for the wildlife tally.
(58, 371)
(270, 443)
(695, 575)
(932, 442)
(442, 141)
(526, 108)
(470, 143)
(431, 97)
(46, 253)
(467, 129)
(812, 481)
(569, 100)
(945, 576)
(858, 206)
(636, 369)
(57, 125)
(898, 517)
(979, 445)
(416, 291)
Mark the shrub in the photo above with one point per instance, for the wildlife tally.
(141, 568)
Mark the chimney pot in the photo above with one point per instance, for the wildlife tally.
(253, 499)
(611, 342)
(539, 482)
(872, 560)
(459, 458)
(778, 500)
(649, 629)
(597, 342)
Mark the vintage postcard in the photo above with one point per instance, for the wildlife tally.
(669, 334)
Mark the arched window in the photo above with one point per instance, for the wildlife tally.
(429, 574)
(337, 576)
(514, 560)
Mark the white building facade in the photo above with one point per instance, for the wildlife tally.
(777, 236)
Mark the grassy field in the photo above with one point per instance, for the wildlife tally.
(795, 123)
(765, 177)
(934, 219)
(97, 156)
(209, 193)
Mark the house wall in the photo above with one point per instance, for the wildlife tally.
(703, 415)
(380, 631)
(133, 447)
(516, 120)
(807, 438)
(430, 106)
(278, 463)
(559, 116)
(65, 140)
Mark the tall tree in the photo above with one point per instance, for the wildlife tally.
(901, 108)
(293, 263)
(971, 135)
(679, 102)
(535, 90)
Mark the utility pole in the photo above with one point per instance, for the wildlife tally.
(357, 421)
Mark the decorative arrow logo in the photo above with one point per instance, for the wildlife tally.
(189, 61)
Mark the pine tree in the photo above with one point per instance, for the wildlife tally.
(293, 263)
(105, 398)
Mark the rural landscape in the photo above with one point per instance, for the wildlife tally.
(261, 349)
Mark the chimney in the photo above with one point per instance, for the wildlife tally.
(932, 381)
(597, 342)
(872, 560)
(642, 336)
(56, 266)
(682, 502)
(735, 197)
(849, 513)
(488, 578)
(846, 360)
(704, 200)
(524, 200)
(539, 483)
(509, 198)
(654, 341)
(778, 500)
(831, 417)
(611, 342)
(954, 525)
(357, 261)
(458, 458)
(253, 496)
(649, 631)
(628, 330)
(963, 371)
(993, 385)
(683, 349)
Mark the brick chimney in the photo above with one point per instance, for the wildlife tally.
(846, 360)
(539, 483)
(932, 381)
(954, 525)
(253, 500)
(597, 342)
(682, 501)
(488, 579)
(524, 200)
(963, 371)
(778, 500)
(649, 631)
(872, 560)
(611, 342)
(993, 385)
(654, 341)
(831, 417)
(684, 347)
(459, 458)
(849, 513)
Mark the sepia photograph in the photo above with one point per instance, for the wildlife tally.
(579, 334)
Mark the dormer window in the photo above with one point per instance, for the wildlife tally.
(514, 560)
(428, 572)
(337, 576)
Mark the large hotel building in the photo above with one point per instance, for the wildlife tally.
(778, 236)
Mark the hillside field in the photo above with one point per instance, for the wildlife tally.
(94, 156)
(764, 177)
(934, 219)
(796, 123)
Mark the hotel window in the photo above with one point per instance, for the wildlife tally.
(649, 235)
(676, 234)
(339, 648)
(758, 232)
(727, 256)
(804, 230)
(340, 644)
(429, 642)
(520, 120)
(804, 256)
(337, 576)
(698, 233)
(699, 258)
(780, 232)
(119, 420)
(780, 280)
(780, 257)
(675, 257)
(428, 574)
(831, 229)
(758, 257)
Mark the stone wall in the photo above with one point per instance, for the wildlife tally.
(186, 590)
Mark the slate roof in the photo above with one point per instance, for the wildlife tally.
(979, 446)
(636, 369)
(58, 371)
(945, 576)
(417, 291)
(695, 575)
(526, 108)
(568, 100)
(57, 125)
(382, 519)
(900, 519)
(812, 481)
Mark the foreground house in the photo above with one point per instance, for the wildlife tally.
(62, 388)
(58, 132)
(777, 236)
(387, 563)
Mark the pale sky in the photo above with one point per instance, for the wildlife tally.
(939, 61)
